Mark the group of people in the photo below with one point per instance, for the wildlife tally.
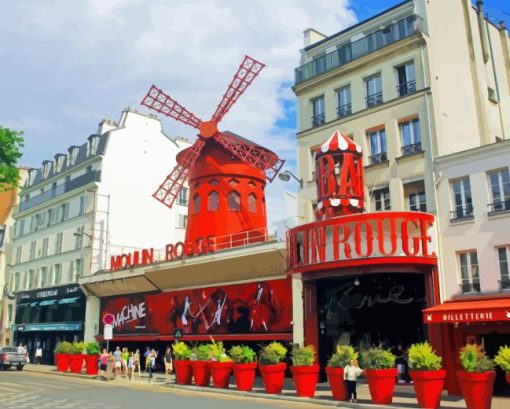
(127, 363)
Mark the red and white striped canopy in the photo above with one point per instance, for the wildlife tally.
(339, 142)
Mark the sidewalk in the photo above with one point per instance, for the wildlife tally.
(404, 394)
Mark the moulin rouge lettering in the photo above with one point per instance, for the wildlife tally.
(128, 313)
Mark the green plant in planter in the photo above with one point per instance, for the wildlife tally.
(77, 348)
(242, 354)
(217, 351)
(473, 359)
(182, 352)
(378, 358)
(272, 354)
(93, 348)
(342, 357)
(303, 356)
(423, 357)
(502, 358)
(63, 347)
(202, 352)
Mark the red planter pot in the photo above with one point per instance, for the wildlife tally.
(76, 362)
(220, 372)
(273, 377)
(507, 376)
(477, 388)
(91, 363)
(428, 386)
(62, 362)
(381, 383)
(183, 372)
(201, 373)
(245, 376)
(305, 379)
(337, 383)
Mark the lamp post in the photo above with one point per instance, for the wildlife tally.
(286, 175)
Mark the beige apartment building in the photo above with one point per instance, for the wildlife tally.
(420, 80)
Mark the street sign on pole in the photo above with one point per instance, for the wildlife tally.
(107, 335)
(178, 333)
(108, 319)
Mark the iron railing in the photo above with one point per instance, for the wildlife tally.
(461, 213)
(473, 287)
(378, 158)
(352, 50)
(318, 120)
(504, 283)
(344, 110)
(406, 88)
(374, 99)
(499, 206)
(411, 148)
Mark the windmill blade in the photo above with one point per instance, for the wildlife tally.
(168, 191)
(244, 76)
(251, 154)
(160, 102)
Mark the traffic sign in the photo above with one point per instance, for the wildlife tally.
(178, 333)
(108, 332)
(108, 319)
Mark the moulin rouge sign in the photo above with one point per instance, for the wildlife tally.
(173, 252)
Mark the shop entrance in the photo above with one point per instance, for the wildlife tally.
(492, 341)
(370, 309)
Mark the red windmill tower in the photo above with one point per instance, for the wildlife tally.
(227, 173)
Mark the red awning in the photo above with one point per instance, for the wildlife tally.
(469, 311)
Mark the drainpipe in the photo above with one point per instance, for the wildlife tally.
(483, 30)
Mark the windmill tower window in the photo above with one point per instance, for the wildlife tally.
(234, 201)
(214, 182)
(213, 201)
(252, 203)
(196, 204)
(233, 182)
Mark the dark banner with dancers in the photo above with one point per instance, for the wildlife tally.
(258, 307)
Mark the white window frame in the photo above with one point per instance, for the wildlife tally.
(504, 275)
(469, 267)
(464, 202)
(414, 201)
(501, 186)
(382, 199)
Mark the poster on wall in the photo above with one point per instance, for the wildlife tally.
(258, 307)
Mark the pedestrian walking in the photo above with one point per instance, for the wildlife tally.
(168, 361)
(38, 354)
(125, 359)
(146, 355)
(152, 363)
(103, 361)
(351, 373)
(117, 356)
(136, 359)
(131, 366)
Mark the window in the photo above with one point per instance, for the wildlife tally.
(411, 136)
(344, 101)
(374, 95)
(78, 264)
(213, 182)
(58, 273)
(418, 202)
(33, 223)
(504, 267)
(377, 142)
(52, 216)
(469, 275)
(234, 201)
(58, 243)
(70, 272)
(20, 227)
(18, 254)
(16, 281)
(31, 279)
(182, 219)
(462, 201)
(62, 212)
(213, 201)
(196, 204)
(318, 112)
(499, 181)
(381, 199)
(50, 276)
(78, 238)
(82, 205)
(406, 79)
(44, 249)
(44, 277)
(2, 235)
(31, 255)
(252, 203)
(9, 314)
(182, 199)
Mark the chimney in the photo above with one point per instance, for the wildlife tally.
(311, 36)
(106, 125)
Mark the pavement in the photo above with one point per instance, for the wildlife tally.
(404, 394)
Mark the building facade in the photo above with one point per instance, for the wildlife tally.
(73, 214)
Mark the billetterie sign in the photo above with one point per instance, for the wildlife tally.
(176, 251)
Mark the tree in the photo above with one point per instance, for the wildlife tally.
(10, 144)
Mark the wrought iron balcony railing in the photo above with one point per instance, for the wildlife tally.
(499, 206)
(406, 88)
(318, 120)
(352, 50)
(411, 148)
(344, 110)
(378, 158)
(504, 283)
(461, 213)
(473, 287)
(374, 99)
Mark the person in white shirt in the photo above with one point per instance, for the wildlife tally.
(38, 355)
(351, 373)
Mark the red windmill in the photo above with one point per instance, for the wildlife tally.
(227, 173)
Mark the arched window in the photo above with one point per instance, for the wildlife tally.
(196, 203)
(214, 182)
(234, 201)
(252, 203)
(213, 201)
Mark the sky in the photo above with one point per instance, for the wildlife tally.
(65, 65)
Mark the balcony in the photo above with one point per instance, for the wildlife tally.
(318, 120)
(473, 287)
(73, 184)
(499, 206)
(351, 51)
(504, 283)
(461, 213)
(411, 148)
(406, 88)
(344, 110)
(378, 158)
(374, 99)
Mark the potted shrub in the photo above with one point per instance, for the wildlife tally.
(200, 365)
(335, 370)
(92, 358)
(245, 365)
(272, 368)
(62, 351)
(304, 370)
(502, 359)
(77, 356)
(182, 363)
(381, 374)
(427, 375)
(476, 377)
(220, 365)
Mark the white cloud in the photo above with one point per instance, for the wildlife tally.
(84, 57)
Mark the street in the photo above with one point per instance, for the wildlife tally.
(25, 390)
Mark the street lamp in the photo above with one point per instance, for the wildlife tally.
(286, 175)
(80, 234)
